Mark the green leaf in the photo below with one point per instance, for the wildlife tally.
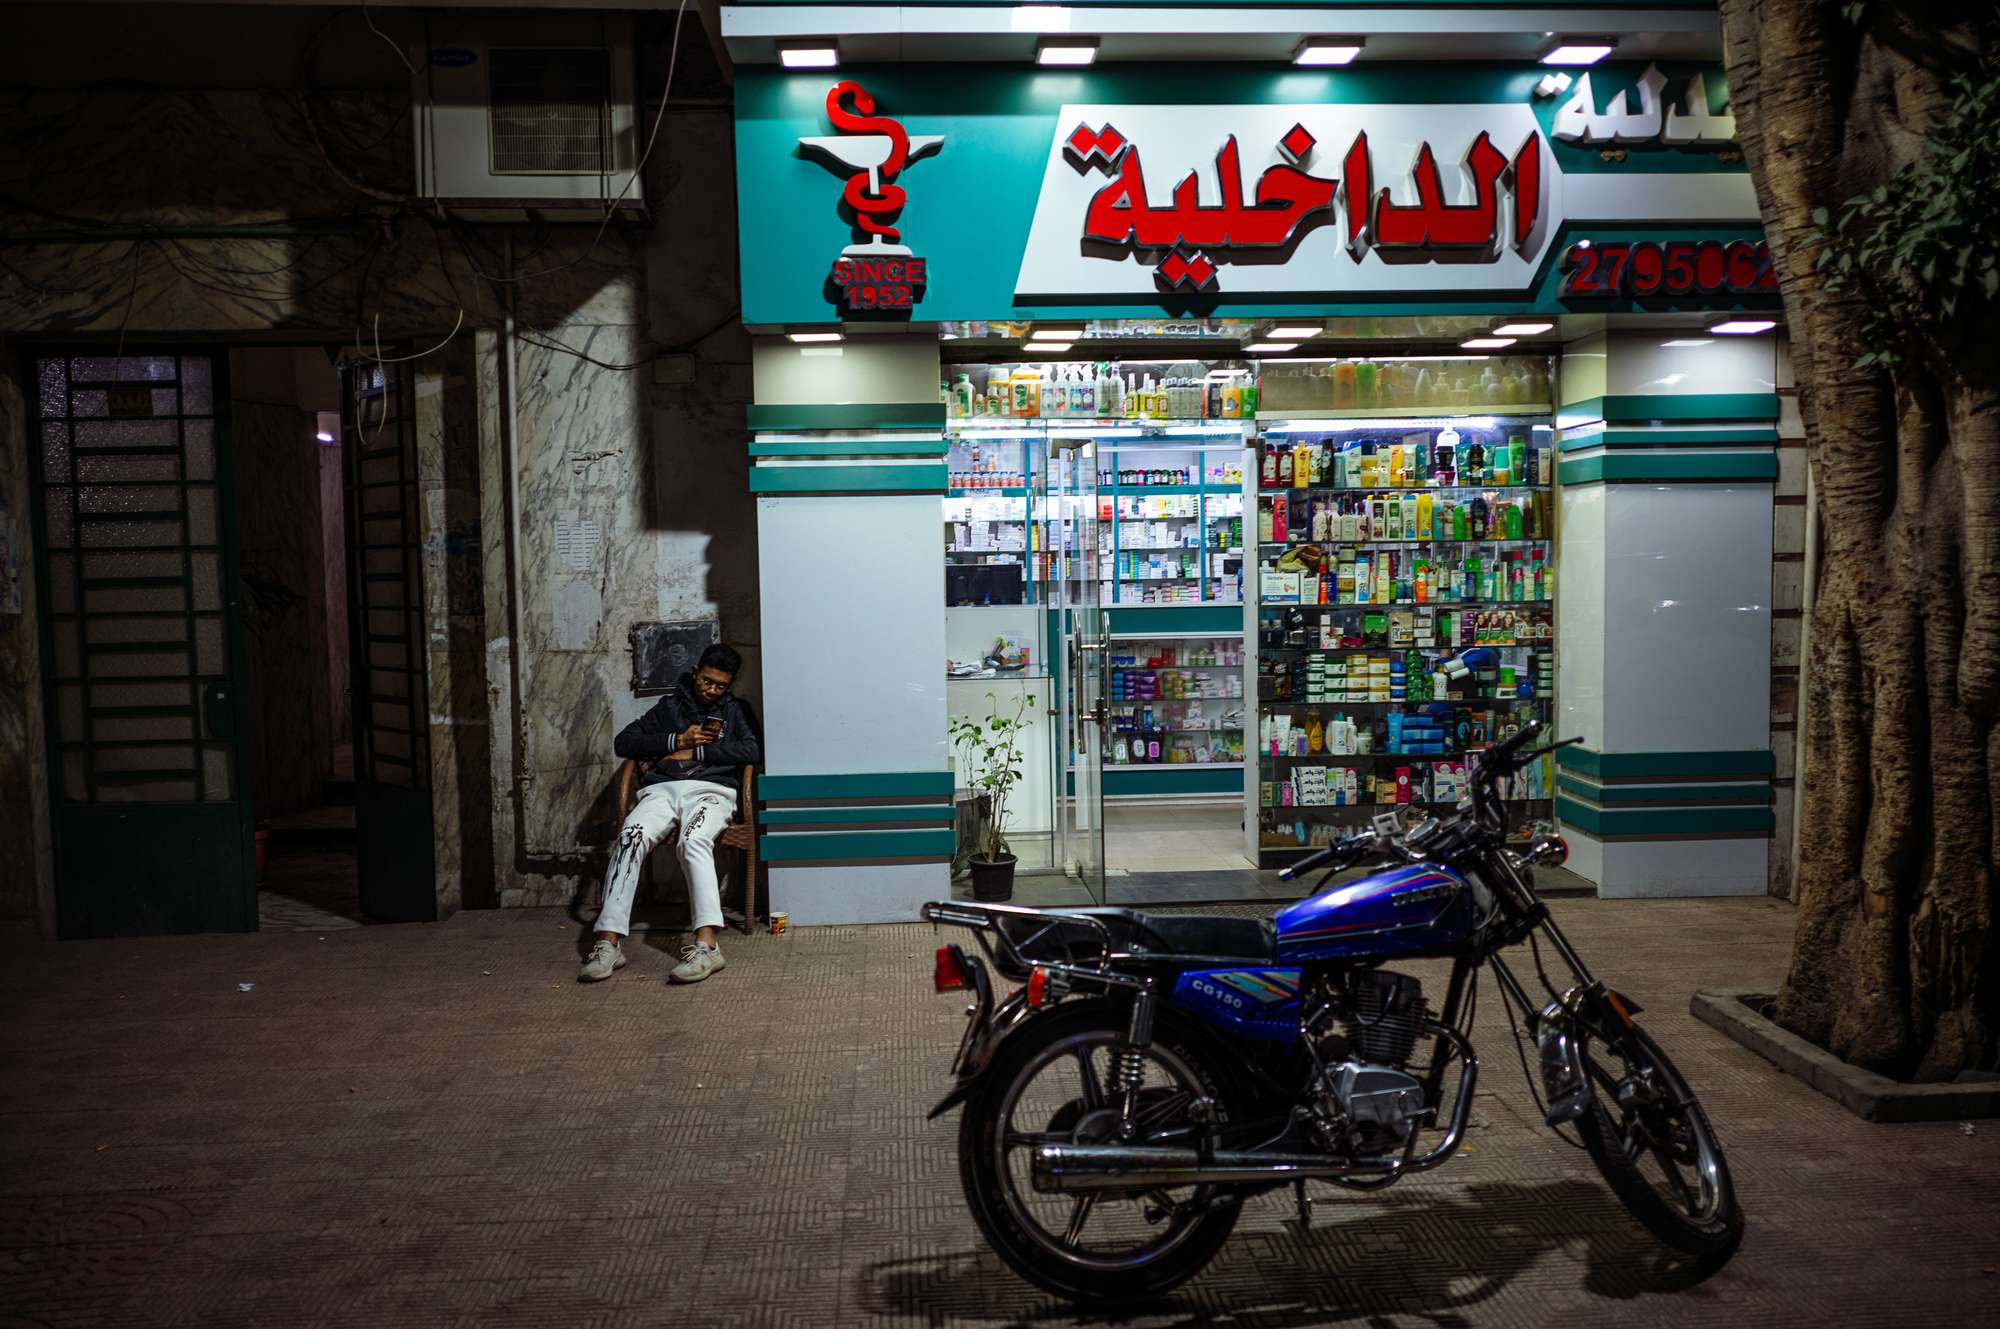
(1989, 281)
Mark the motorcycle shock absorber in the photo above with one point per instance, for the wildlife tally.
(1128, 1061)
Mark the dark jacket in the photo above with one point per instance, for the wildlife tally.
(656, 733)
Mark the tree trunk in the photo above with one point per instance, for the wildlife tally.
(1898, 811)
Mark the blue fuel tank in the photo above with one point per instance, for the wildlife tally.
(1416, 909)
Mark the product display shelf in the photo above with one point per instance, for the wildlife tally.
(1168, 659)
(1484, 458)
(1411, 411)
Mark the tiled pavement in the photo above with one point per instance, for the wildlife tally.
(435, 1125)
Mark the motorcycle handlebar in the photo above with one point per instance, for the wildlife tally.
(1344, 845)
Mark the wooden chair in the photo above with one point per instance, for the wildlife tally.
(740, 835)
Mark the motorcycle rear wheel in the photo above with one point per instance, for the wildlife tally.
(1654, 1145)
(1109, 1247)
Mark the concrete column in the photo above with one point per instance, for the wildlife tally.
(1663, 609)
(847, 449)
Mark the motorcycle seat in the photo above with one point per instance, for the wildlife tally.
(1250, 939)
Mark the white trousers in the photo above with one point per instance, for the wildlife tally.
(701, 810)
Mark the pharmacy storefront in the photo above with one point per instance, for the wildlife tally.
(1185, 417)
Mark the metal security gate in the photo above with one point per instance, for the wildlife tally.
(392, 760)
(142, 659)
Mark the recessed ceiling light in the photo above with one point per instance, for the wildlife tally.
(1048, 347)
(814, 53)
(1271, 347)
(1686, 341)
(1327, 50)
(1571, 50)
(1742, 327)
(804, 337)
(323, 436)
(1066, 50)
(1056, 334)
(1522, 329)
(1485, 343)
(1294, 332)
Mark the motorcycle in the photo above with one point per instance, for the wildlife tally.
(1152, 1072)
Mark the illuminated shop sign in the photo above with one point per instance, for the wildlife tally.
(877, 272)
(1278, 201)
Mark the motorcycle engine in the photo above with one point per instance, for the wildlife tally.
(1367, 1103)
(1371, 1108)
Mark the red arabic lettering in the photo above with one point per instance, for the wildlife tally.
(1527, 191)
(1286, 198)
(1433, 223)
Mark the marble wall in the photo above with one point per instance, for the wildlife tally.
(24, 837)
(631, 371)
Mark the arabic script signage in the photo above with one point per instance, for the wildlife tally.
(878, 271)
(1652, 120)
(1271, 200)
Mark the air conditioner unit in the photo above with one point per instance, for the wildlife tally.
(531, 112)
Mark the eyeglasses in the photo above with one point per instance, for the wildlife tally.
(710, 685)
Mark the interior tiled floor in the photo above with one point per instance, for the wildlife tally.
(436, 1125)
(1152, 837)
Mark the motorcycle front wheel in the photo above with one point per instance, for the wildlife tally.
(1650, 1138)
(1052, 1083)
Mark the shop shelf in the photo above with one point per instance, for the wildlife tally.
(1468, 412)
(1173, 765)
(1269, 704)
(1121, 491)
(1408, 544)
(1428, 604)
(1393, 758)
(1274, 490)
(1010, 491)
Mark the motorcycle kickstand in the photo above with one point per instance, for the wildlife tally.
(1305, 1205)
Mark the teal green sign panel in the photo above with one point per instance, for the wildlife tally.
(963, 192)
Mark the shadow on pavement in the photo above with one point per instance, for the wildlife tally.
(1432, 1256)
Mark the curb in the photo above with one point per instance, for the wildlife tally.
(1867, 1095)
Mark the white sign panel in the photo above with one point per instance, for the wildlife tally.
(1276, 200)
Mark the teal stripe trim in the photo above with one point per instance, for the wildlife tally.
(1604, 767)
(1658, 468)
(1698, 792)
(934, 786)
(1178, 618)
(1638, 408)
(1738, 436)
(847, 415)
(1656, 823)
(778, 821)
(1167, 780)
(917, 478)
(837, 845)
(920, 445)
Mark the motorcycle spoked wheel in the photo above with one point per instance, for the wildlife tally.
(1654, 1145)
(1050, 1084)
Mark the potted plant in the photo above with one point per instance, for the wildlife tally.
(989, 760)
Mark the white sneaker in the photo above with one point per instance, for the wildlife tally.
(697, 962)
(604, 957)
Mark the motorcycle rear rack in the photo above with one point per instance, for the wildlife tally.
(1015, 959)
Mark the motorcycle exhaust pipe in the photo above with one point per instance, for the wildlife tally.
(1065, 1168)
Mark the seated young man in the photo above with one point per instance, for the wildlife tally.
(690, 748)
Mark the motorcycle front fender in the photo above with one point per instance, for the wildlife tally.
(1560, 1032)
